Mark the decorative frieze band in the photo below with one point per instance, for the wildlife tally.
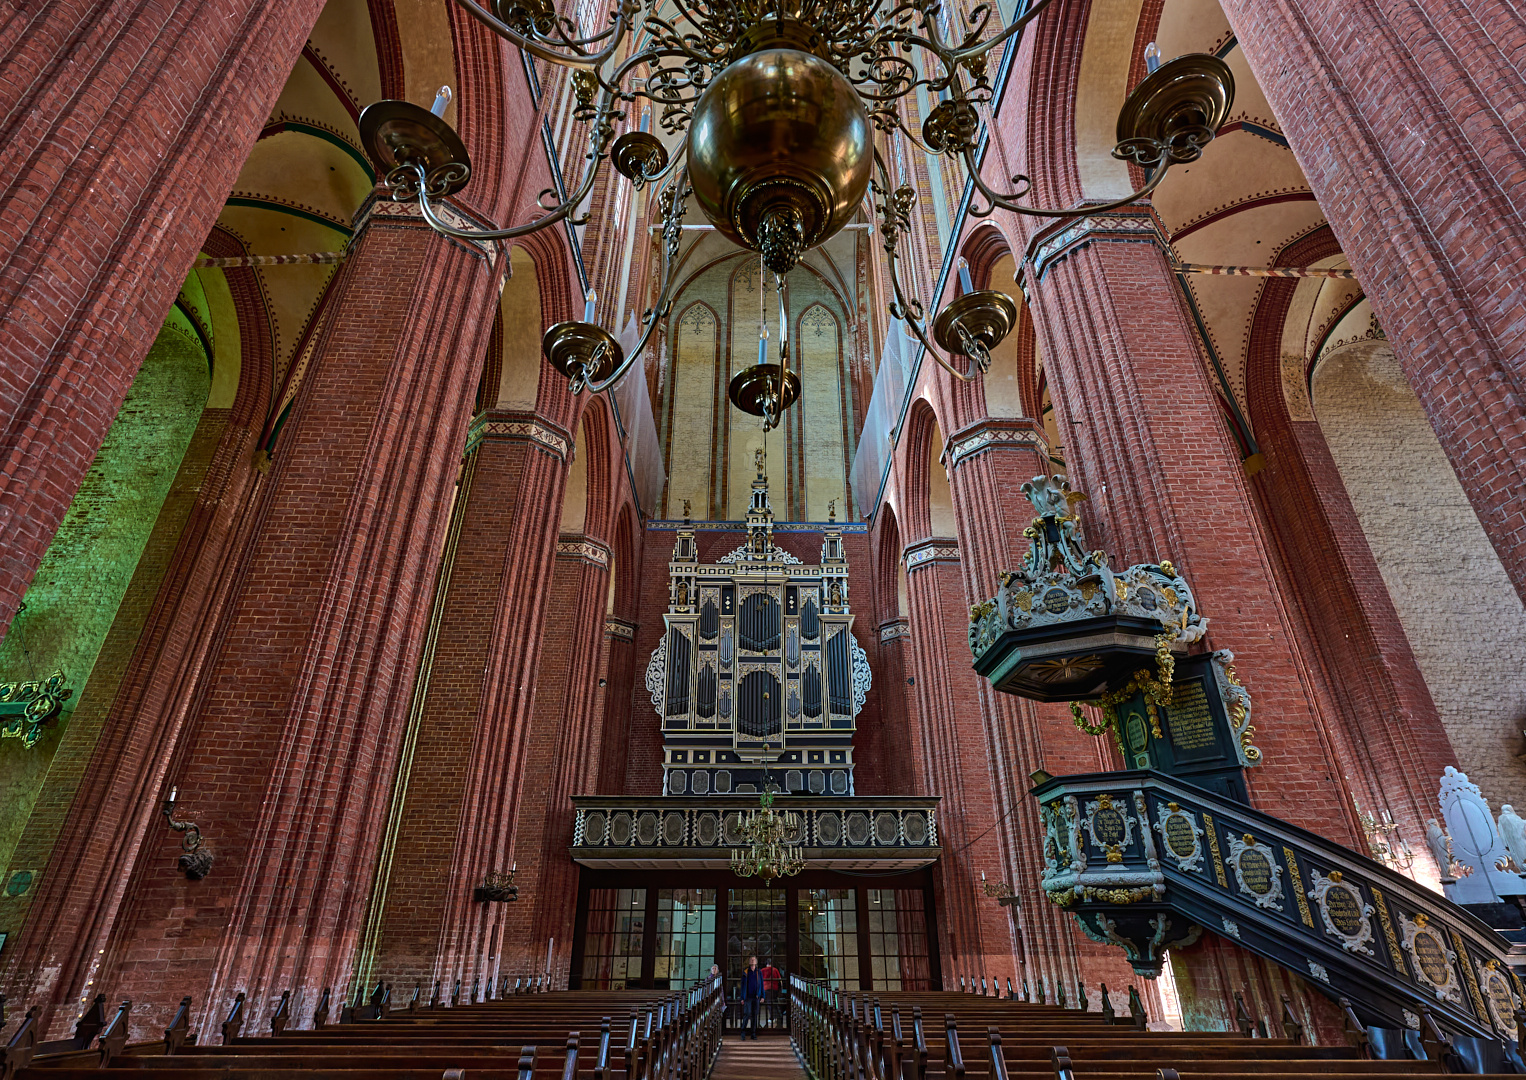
(847, 528)
(620, 629)
(1128, 227)
(936, 550)
(510, 426)
(582, 547)
(994, 436)
(896, 628)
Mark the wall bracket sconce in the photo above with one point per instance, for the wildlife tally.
(999, 891)
(195, 861)
(497, 888)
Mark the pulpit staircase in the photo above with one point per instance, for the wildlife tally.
(1147, 862)
(1151, 858)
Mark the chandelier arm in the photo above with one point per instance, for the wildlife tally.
(916, 328)
(680, 156)
(598, 139)
(905, 309)
(544, 52)
(681, 44)
(916, 140)
(647, 56)
(959, 56)
(899, 85)
(672, 234)
(1080, 209)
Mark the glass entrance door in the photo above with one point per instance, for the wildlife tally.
(663, 930)
(756, 925)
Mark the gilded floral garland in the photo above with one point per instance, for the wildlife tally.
(1157, 691)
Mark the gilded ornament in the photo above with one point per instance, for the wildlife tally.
(26, 706)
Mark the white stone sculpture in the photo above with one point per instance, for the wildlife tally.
(1512, 828)
(1475, 844)
(1441, 850)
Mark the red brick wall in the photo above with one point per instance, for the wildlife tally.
(1165, 483)
(564, 758)
(1360, 656)
(1405, 120)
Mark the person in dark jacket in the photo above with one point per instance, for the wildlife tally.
(752, 997)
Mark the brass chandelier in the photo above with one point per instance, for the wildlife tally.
(768, 854)
(778, 102)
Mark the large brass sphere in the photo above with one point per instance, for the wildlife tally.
(779, 133)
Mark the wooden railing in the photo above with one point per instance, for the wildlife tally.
(894, 1036)
(675, 1037)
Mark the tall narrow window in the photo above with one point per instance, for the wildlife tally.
(898, 940)
(613, 940)
(685, 937)
(690, 412)
(829, 936)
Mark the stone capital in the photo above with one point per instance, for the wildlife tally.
(992, 433)
(581, 546)
(379, 207)
(1133, 225)
(510, 426)
(937, 549)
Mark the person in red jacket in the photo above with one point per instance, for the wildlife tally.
(772, 979)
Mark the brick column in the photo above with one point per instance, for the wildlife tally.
(989, 461)
(288, 763)
(977, 935)
(491, 600)
(1405, 117)
(125, 128)
(474, 938)
(562, 760)
(620, 671)
(1164, 481)
(888, 743)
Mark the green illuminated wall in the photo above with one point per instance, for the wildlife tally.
(80, 583)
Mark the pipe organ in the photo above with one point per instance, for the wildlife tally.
(758, 665)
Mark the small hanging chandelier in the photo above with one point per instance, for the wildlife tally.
(768, 853)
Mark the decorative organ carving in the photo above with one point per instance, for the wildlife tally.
(759, 664)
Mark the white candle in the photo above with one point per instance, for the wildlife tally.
(172, 793)
(1152, 57)
(965, 285)
(441, 101)
(589, 302)
(763, 346)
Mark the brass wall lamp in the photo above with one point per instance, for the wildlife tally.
(195, 860)
(497, 888)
